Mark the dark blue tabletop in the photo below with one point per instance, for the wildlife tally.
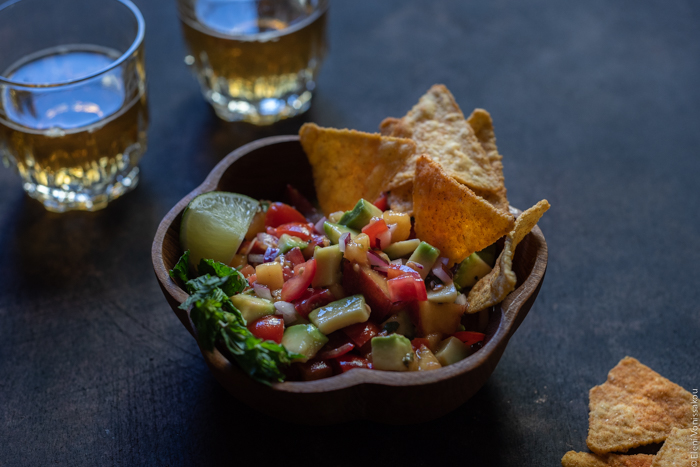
(597, 108)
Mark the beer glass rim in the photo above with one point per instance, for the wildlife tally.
(136, 43)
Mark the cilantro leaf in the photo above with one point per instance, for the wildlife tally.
(236, 282)
(182, 268)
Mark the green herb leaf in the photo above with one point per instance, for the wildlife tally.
(181, 269)
(236, 282)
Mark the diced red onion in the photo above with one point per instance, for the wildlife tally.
(256, 258)
(250, 247)
(461, 299)
(443, 260)
(384, 269)
(441, 274)
(319, 226)
(267, 239)
(397, 262)
(375, 259)
(287, 310)
(343, 241)
(415, 264)
(262, 291)
(270, 254)
(384, 239)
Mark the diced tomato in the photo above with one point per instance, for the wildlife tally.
(280, 213)
(397, 270)
(314, 369)
(247, 270)
(252, 278)
(300, 202)
(268, 328)
(418, 341)
(348, 361)
(382, 201)
(287, 273)
(295, 229)
(469, 337)
(361, 333)
(338, 345)
(373, 229)
(407, 288)
(312, 299)
(258, 248)
(303, 275)
(294, 256)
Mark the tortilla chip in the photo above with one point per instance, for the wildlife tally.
(481, 123)
(634, 407)
(450, 216)
(676, 449)
(439, 128)
(585, 459)
(349, 165)
(401, 199)
(497, 284)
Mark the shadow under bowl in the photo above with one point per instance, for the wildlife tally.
(261, 170)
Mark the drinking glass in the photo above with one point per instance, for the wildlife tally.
(256, 60)
(73, 112)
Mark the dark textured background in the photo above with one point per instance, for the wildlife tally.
(597, 108)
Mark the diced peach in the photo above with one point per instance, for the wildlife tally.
(270, 274)
(403, 225)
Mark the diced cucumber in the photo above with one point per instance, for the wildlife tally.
(341, 313)
(400, 249)
(451, 350)
(447, 294)
(488, 254)
(393, 353)
(327, 266)
(470, 271)
(304, 339)
(287, 242)
(334, 231)
(251, 307)
(425, 255)
(360, 215)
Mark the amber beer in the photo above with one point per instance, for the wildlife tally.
(255, 60)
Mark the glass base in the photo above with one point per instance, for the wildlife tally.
(57, 200)
(263, 112)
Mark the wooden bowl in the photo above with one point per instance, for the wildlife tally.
(262, 169)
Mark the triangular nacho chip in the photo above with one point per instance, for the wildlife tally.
(497, 284)
(585, 459)
(450, 216)
(677, 449)
(349, 165)
(401, 199)
(481, 123)
(634, 407)
(439, 128)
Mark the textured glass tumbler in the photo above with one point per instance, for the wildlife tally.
(256, 60)
(73, 112)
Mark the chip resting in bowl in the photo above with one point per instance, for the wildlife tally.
(585, 459)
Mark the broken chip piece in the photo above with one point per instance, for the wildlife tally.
(481, 123)
(585, 459)
(497, 284)
(634, 407)
(349, 165)
(450, 216)
(677, 449)
(439, 128)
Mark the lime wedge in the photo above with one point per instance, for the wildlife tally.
(214, 224)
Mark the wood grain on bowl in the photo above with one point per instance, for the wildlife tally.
(262, 169)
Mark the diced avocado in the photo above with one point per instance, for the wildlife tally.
(447, 294)
(327, 266)
(304, 339)
(400, 323)
(425, 255)
(360, 215)
(488, 254)
(393, 353)
(451, 350)
(470, 271)
(341, 313)
(287, 242)
(399, 249)
(251, 307)
(334, 231)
